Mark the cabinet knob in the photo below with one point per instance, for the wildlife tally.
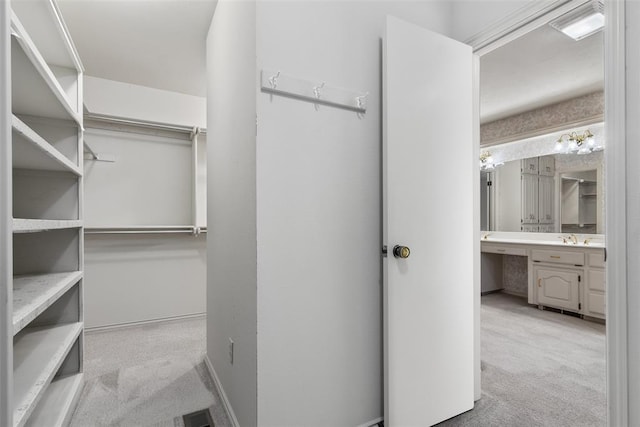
(401, 251)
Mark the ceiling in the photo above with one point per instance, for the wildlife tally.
(154, 43)
(161, 44)
(541, 68)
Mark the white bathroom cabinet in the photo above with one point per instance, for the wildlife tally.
(537, 194)
(558, 287)
(565, 276)
(46, 289)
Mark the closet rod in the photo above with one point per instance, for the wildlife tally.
(162, 229)
(105, 118)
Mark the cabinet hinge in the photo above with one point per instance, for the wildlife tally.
(579, 306)
(384, 251)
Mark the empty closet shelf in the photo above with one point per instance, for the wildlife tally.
(31, 151)
(38, 353)
(33, 294)
(21, 225)
(57, 401)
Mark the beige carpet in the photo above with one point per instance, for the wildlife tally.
(147, 376)
(539, 368)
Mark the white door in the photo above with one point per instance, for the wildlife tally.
(428, 191)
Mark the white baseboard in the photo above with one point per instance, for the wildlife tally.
(223, 395)
(372, 422)
(144, 322)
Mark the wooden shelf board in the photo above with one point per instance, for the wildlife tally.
(31, 151)
(37, 355)
(35, 89)
(58, 402)
(33, 294)
(21, 225)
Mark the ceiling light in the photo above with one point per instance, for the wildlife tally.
(581, 22)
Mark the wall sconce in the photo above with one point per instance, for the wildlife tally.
(487, 162)
(574, 142)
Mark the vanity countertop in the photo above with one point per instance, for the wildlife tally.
(544, 239)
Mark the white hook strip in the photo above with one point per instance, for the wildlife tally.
(275, 82)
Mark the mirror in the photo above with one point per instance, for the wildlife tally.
(541, 97)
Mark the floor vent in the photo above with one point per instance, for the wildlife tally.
(198, 419)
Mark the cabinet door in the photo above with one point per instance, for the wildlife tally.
(547, 165)
(558, 288)
(547, 228)
(529, 210)
(595, 293)
(530, 165)
(546, 186)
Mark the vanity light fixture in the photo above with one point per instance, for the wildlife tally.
(582, 21)
(487, 162)
(574, 142)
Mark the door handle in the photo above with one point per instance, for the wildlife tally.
(401, 251)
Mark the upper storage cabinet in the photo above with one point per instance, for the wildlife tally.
(46, 70)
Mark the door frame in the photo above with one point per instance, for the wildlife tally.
(620, 245)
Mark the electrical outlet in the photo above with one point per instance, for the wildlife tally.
(231, 343)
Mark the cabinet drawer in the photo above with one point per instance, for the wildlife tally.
(560, 257)
(596, 280)
(596, 260)
(504, 250)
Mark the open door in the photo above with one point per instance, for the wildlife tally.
(428, 191)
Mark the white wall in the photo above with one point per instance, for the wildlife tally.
(136, 278)
(319, 233)
(231, 242)
(317, 184)
(120, 99)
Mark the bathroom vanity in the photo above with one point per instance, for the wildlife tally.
(566, 272)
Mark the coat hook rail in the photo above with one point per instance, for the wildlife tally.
(316, 92)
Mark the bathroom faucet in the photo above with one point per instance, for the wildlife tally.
(573, 238)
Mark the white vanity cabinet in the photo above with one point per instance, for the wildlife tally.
(529, 166)
(537, 194)
(595, 301)
(560, 275)
(546, 186)
(557, 287)
(529, 209)
(547, 165)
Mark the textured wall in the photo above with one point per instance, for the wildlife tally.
(515, 274)
(586, 108)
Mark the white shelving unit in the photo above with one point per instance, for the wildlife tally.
(44, 339)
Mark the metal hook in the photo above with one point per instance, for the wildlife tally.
(273, 80)
(361, 100)
(316, 90)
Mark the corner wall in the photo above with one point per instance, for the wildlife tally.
(231, 204)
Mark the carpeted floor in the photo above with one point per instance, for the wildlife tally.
(147, 376)
(539, 368)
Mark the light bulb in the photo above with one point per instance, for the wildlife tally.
(558, 147)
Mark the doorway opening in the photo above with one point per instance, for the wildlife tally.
(542, 216)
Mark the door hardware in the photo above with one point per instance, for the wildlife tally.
(401, 251)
